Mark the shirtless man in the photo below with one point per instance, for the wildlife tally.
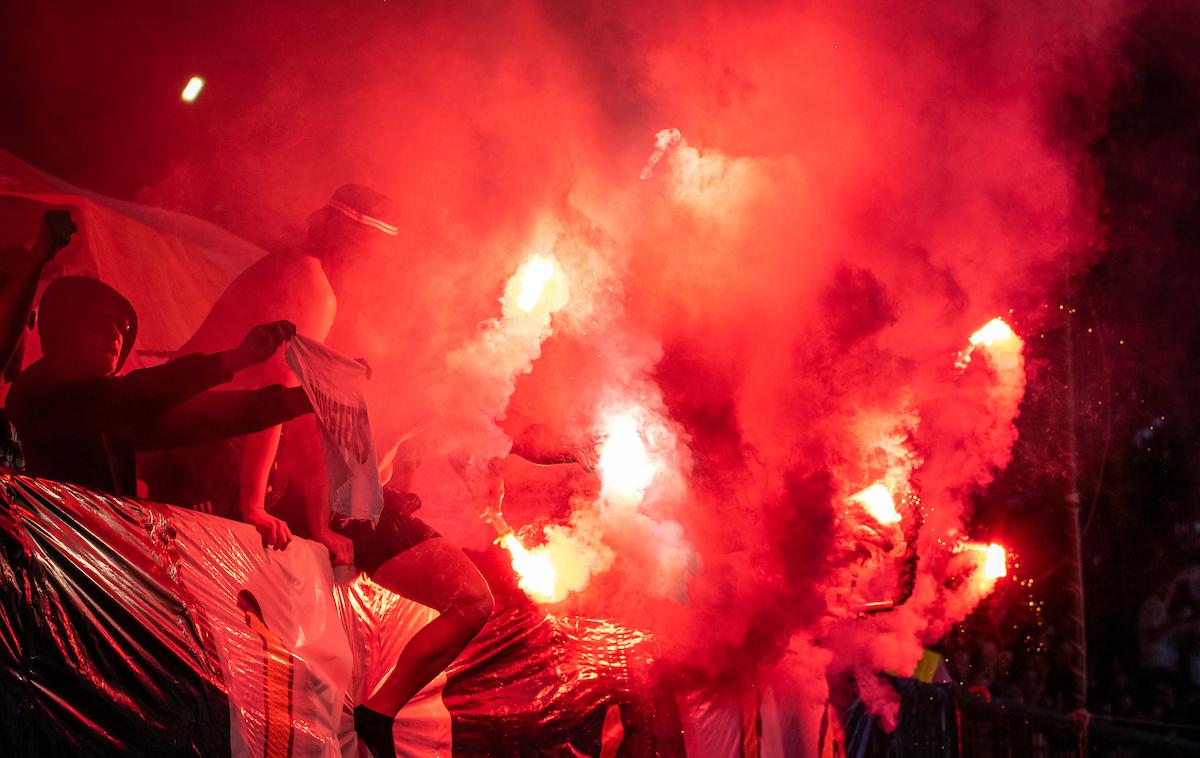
(401, 553)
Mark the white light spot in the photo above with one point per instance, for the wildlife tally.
(192, 90)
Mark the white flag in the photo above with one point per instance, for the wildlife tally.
(336, 387)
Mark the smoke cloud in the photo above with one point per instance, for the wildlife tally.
(779, 228)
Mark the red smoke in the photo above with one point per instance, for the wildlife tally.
(780, 226)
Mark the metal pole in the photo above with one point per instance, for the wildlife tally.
(1075, 586)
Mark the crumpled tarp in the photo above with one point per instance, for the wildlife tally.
(133, 628)
(534, 683)
(102, 650)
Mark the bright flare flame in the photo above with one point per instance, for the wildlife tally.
(536, 273)
(626, 468)
(994, 332)
(995, 564)
(997, 338)
(536, 574)
(191, 90)
(879, 503)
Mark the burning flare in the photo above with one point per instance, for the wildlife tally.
(996, 337)
(993, 562)
(993, 332)
(536, 290)
(536, 574)
(534, 276)
(878, 502)
(535, 570)
(626, 468)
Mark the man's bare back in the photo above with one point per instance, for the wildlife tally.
(287, 285)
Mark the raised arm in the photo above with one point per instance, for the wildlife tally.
(17, 293)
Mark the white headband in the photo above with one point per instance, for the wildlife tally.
(363, 218)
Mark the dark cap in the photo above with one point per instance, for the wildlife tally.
(70, 302)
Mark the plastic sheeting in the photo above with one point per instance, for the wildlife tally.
(104, 652)
(275, 622)
(132, 628)
(536, 684)
(380, 624)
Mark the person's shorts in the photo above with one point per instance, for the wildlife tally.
(396, 531)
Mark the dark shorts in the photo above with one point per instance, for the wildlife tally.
(396, 531)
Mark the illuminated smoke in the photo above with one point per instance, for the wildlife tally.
(780, 225)
(480, 376)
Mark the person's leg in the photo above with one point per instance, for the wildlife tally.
(435, 574)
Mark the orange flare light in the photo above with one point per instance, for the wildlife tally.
(995, 563)
(997, 338)
(536, 574)
(993, 333)
(534, 276)
(879, 503)
(537, 289)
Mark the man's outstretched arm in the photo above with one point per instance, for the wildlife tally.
(221, 414)
(143, 395)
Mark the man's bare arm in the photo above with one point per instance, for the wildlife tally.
(281, 286)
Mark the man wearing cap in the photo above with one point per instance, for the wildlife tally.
(23, 272)
(81, 423)
(314, 287)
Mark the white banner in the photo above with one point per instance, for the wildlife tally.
(336, 385)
